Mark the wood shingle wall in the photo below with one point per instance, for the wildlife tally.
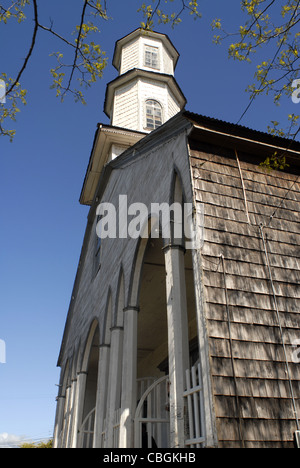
(250, 378)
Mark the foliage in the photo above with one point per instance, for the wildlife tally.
(48, 444)
(13, 98)
(156, 11)
(85, 68)
(89, 61)
(273, 27)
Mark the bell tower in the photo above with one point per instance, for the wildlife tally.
(143, 97)
(145, 94)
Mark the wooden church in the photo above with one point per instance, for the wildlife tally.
(170, 343)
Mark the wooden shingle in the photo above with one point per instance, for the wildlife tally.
(252, 391)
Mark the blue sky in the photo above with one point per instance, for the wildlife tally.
(41, 175)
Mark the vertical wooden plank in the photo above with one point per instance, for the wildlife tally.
(202, 425)
(196, 405)
(190, 405)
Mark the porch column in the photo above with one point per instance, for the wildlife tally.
(71, 416)
(177, 340)
(78, 406)
(61, 399)
(129, 376)
(66, 417)
(101, 398)
(114, 382)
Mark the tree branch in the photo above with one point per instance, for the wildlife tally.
(50, 30)
(77, 45)
(36, 26)
(290, 24)
(259, 16)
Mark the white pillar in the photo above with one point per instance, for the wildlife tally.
(66, 417)
(129, 376)
(114, 382)
(61, 399)
(79, 402)
(177, 340)
(101, 398)
(78, 407)
(71, 413)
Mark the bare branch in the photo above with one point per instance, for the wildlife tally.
(36, 26)
(77, 45)
(50, 30)
(290, 24)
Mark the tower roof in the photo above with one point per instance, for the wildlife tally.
(142, 32)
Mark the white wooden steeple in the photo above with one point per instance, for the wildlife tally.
(145, 94)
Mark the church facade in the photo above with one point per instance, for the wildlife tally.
(183, 324)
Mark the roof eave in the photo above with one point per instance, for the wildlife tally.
(214, 131)
(140, 31)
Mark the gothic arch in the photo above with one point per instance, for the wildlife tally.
(118, 319)
(65, 378)
(135, 278)
(177, 200)
(88, 345)
(177, 192)
(74, 364)
(78, 352)
(107, 323)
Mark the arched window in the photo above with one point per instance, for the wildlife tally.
(153, 114)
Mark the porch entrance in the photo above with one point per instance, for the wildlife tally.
(152, 416)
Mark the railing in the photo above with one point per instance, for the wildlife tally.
(195, 406)
(103, 434)
(152, 420)
(116, 430)
(86, 432)
(143, 384)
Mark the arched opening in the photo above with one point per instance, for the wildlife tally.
(152, 341)
(161, 340)
(167, 335)
(153, 344)
(152, 351)
(90, 366)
